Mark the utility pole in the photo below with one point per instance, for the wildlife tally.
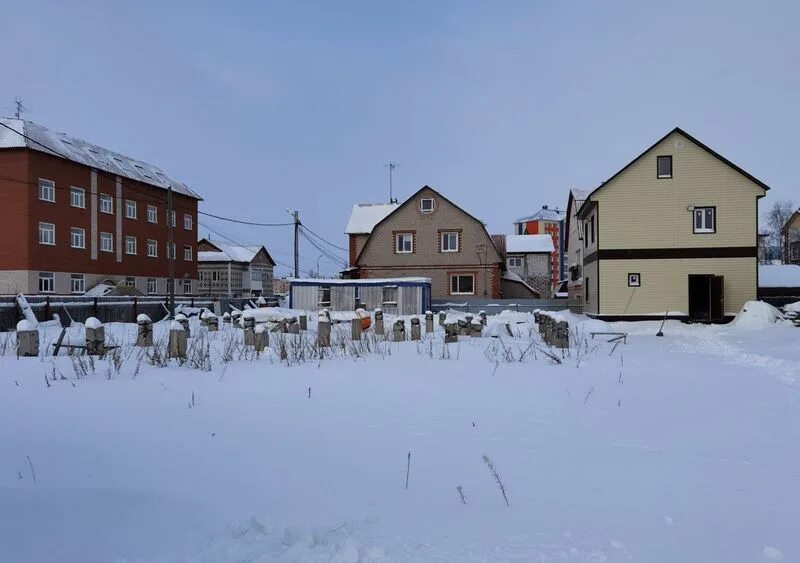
(296, 216)
(391, 166)
(170, 254)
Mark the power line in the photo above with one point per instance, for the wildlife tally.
(323, 240)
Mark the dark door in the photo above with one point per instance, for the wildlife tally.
(717, 297)
(699, 294)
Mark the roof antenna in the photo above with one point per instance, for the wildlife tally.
(19, 107)
(391, 166)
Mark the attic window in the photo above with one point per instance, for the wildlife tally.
(97, 156)
(121, 164)
(664, 167)
(142, 171)
(427, 205)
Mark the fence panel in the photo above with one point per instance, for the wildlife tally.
(494, 306)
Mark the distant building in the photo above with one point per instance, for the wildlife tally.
(791, 240)
(231, 270)
(530, 258)
(76, 215)
(551, 222)
(396, 296)
(425, 236)
(573, 243)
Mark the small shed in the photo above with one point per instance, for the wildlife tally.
(402, 296)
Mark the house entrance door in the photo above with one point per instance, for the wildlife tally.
(706, 297)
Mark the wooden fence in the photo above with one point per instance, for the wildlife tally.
(122, 309)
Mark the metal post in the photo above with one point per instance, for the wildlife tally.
(296, 216)
(170, 254)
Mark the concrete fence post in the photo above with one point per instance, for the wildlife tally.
(450, 333)
(416, 329)
(379, 328)
(184, 320)
(27, 339)
(442, 318)
(355, 329)
(144, 331)
(303, 322)
(177, 340)
(428, 322)
(260, 338)
(95, 337)
(399, 332)
(482, 316)
(324, 331)
(561, 339)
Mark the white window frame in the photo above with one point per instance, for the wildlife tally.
(81, 287)
(321, 301)
(77, 197)
(47, 276)
(106, 237)
(188, 222)
(256, 275)
(152, 244)
(47, 233)
(47, 190)
(130, 209)
(172, 219)
(447, 235)
(187, 286)
(705, 229)
(152, 286)
(515, 262)
(187, 252)
(152, 214)
(459, 292)
(433, 205)
(77, 233)
(130, 245)
(106, 204)
(400, 249)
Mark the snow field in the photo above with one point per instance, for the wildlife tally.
(681, 448)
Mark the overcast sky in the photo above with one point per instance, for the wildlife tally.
(502, 106)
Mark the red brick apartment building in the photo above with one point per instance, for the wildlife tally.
(75, 215)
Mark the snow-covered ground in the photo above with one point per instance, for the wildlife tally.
(681, 448)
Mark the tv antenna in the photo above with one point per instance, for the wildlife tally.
(19, 107)
(391, 166)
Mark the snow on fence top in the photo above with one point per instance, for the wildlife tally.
(528, 243)
(365, 216)
(367, 281)
(38, 138)
(785, 275)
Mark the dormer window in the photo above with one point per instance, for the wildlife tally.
(427, 205)
(664, 167)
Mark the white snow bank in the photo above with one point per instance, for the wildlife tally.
(795, 307)
(93, 322)
(756, 315)
(175, 325)
(142, 318)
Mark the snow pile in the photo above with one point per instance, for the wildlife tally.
(175, 325)
(756, 315)
(93, 322)
(142, 318)
(793, 307)
(25, 325)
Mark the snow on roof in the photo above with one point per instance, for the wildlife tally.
(785, 275)
(511, 276)
(229, 253)
(579, 194)
(544, 214)
(528, 243)
(36, 137)
(367, 281)
(365, 216)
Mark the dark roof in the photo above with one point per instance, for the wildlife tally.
(709, 150)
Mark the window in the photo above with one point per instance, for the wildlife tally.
(427, 205)
(256, 275)
(106, 242)
(389, 295)
(462, 284)
(151, 286)
(130, 209)
(216, 276)
(634, 280)
(130, 281)
(664, 165)
(130, 245)
(47, 190)
(47, 234)
(324, 296)
(152, 248)
(152, 214)
(585, 290)
(586, 234)
(515, 262)
(705, 220)
(97, 156)
(172, 219)
(795, 251)
(77, 237)
(187, 253)
(77, 197)
(106, 204)
(77, 283)
(46, 282)
(405, 243)
(143, 171)
(122, 165)
(450, 242)
(187, 222)
(171, 251)
(187, 286)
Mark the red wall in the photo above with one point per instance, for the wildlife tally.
(62, 257)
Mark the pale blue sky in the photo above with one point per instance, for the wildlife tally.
(502, 106)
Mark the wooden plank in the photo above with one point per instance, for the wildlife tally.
(57, 346)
